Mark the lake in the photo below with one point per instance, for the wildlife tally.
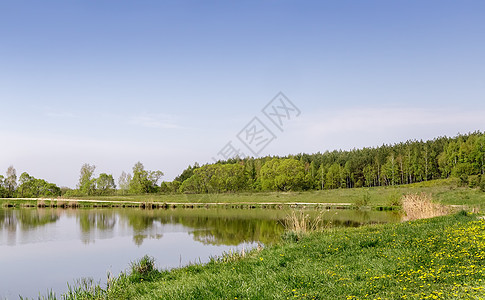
(45, 249)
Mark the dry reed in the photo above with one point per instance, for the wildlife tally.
(420, 206)
(301, 222)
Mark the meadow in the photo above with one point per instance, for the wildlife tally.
(438, 258)
(444, 191)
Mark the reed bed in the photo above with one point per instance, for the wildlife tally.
(421, 206)
(300, 222)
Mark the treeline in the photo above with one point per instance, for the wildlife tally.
(26, 187)
(462, 156)
(140, 182)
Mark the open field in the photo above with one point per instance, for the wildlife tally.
(443, 191)
(439, 258)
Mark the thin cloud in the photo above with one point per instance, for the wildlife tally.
(154, 121)
(60, 115)
(372, 119)
(368, 127)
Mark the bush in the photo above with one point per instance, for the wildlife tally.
(473, 181)
(395, 199)
(290, 237)
(463, 179)
(482, 185)
(143, 269)
(73, 193)
(359, 183)
(364, 201)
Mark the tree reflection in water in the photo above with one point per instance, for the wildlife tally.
(14, 220)
(213, 226)
(93, 221)
(26, 218)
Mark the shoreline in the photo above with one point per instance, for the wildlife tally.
(402, 260)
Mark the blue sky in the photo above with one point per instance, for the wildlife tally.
(169, 83)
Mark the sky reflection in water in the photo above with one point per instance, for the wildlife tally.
(43, 249)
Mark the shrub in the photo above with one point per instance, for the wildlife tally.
(395, 199)
(290, 237)
(482, 183)
(473, 181)
(143, 269)
(364, 201)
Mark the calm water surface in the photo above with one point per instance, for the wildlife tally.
(44, 249)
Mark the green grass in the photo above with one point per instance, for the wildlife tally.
(440, 258)
(379, 196)
(445, 191)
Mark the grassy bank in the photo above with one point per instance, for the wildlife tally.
(444, 191)
(439, 258)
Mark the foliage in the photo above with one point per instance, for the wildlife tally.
(87, 184)
(143, 269)
(474, 181)
(3, 187)
(105, 184)
(168, 187)
(10, 181)
(27, 186)
(216, 178)
(388, 165)
(364, 200)
(283, 175)
(187, 173)
(144, 181)
(124, 182)
(395, 199)
(30, 187)
(73, 193)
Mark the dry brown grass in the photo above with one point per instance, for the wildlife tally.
(300, 222)
(420, 206)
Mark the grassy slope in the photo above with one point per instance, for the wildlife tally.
(436, 258)
(443, 190)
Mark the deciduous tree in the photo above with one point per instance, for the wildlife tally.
(105, 184)
(87, 184)
(11, 181)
